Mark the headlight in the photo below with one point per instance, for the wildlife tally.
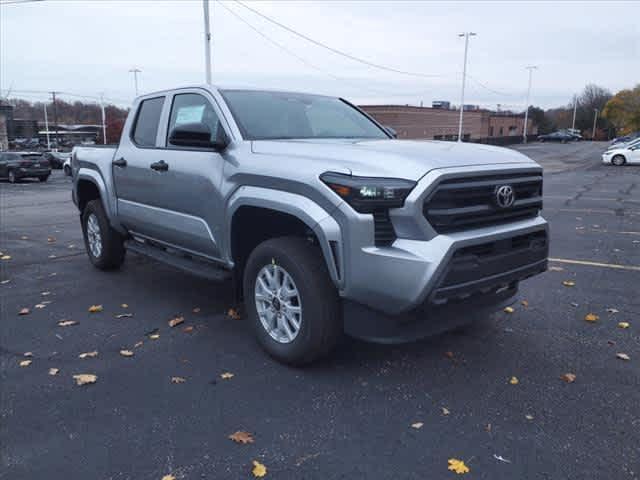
(366, 194)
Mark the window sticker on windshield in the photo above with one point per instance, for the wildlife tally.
(190, 114)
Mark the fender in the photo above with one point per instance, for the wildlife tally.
(108, 201)
(310, 213)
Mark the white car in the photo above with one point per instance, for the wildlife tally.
(623, 154)
(66, 167)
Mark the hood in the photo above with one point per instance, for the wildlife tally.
(389, 158)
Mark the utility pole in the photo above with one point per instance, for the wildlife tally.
(466, 36)
(575, 107)
(104, 125)
(46, 125)
(207, 42)
(55, 118)
(135, 72)
(595, 119)
(531, 68)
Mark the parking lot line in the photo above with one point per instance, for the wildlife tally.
(596, 264)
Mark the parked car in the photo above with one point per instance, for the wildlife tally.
(18, 165)
(563, 137)
(56, 159)
(66, 168)
(626, 138)
(622, 154)
(323, 222)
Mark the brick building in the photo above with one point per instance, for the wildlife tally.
(442, 124)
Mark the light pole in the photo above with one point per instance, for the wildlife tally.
(104, 125)
(595, 119)
(207, 42)
(135, 72)
(575, 107)
(531, 68)
(466, 36)
(46, 125)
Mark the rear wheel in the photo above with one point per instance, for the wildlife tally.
(104, 245)
(67, 170)
(43, 178)
(618, 160)
(12, 177)
(291, 302)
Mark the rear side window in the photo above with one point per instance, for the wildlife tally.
(146, 128)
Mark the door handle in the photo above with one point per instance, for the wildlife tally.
(160, 166)
(121, 162)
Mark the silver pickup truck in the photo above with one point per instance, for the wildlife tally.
(324, 222)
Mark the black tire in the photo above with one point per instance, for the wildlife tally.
(618, 160)
(321, 324)
(67, 171)
(12, 177)
(44, 178)
(112, 251)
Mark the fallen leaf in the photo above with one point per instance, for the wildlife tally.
(176, 321)
(241, 437)
(501, 458)
(138, 344)
(417, 425)
(178, 380)
(53, 371)
(168, 477)
(524, 303)
(233, 314)
(45, 294)
(154, 336)
(612, 310)
(259, 470)
(85, 378)
(5, 257)
(528, 416)
(487, 428)
(24, 237)
(508, 310)
(569, 377)
(623, 356)
(574, 304)
(124, 315)
(40, 305)
(445, 411)
(196, 310)
(124, 305)
(25, 363)
(188, 329)
(95, 308)
(126, 353)
(27, 354)
(4, 282)
(24, 311)
(226, 375)
(623, 324)
(88, 354)
(52, 256)
(591, 317)
(67, 323)
(458, 466)
(514, 381)
(51, 239)
(448, 354)
(556, 269)
(569, 283)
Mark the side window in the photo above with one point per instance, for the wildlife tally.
(193, 108)
(147, 122)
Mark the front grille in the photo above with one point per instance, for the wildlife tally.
(385, 235)
(470, 202)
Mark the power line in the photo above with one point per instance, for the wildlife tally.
(336, 51)
(16, 2)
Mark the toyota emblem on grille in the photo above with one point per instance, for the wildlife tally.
(505, 196)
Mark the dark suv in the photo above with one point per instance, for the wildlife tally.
(17, 165)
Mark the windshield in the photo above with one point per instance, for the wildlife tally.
(262, 115)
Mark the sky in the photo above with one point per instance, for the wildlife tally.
(87, 47)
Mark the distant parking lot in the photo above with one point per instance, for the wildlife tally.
(496, 395)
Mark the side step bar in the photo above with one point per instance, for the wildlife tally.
(200, 268)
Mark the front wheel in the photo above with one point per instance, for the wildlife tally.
(67, 170)
(43, 178)
(618, 160)
(291, 302)
(104, 245)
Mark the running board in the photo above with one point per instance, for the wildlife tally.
(200, 268)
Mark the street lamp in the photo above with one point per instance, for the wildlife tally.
(531, 68)
(207, 42)
(135, 72)
(466, 36)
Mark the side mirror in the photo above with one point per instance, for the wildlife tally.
(391, 131)
(195, 135)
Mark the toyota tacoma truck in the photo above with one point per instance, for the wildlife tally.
(324, 222)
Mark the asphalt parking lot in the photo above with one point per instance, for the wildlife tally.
(349, 416)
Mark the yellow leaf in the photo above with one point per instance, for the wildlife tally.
(88, 354)
(126, 353)
(458, 466)
(242, 437)
(524, 303)
(417, 425)
(623, 324)
(178, 380)
(53, 371)
(25, 363)
(124, 305)
(514, 381)
(168, 477)
(95, 308)
(569, 283)
(623, 356)
(226, 375)
(5, 257)
(85, 378)
(591, 317)
(154, 336)
(569, 377)
(508, 310)
(233, 313)
(176, 321)
(67, 323)
(188, 329)
(259, 470)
